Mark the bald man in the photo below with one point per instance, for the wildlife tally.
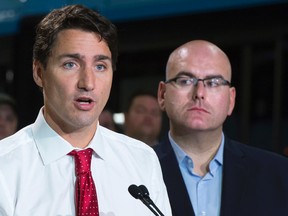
(206, 173)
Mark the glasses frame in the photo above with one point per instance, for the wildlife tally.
(195, 80)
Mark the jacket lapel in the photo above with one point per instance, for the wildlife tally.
(179, 198)
(235, 171)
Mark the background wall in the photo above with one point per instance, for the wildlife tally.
(12, 11)
(253, 33)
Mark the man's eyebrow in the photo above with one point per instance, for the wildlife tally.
(185, 73)
(214, 76)
(102, 57)
(70, 55)
(78, 56)
(190, 74)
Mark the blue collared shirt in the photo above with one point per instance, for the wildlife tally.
(204, 191)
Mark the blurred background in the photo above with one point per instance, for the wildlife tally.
(254, 34)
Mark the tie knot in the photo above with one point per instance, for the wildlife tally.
(82, 160)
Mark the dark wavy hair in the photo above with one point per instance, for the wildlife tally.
(73, 17)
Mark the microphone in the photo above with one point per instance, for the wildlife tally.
(147, 197)
(138, 194)
(142, 193)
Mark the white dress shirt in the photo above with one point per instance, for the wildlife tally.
(37, 176)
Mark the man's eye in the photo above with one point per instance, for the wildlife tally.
(100, 67)
(140, 110)
(69, 65)
(183, 81)
(214, 82)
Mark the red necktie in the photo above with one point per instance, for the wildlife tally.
(85, 191)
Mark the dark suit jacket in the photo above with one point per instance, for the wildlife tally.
(254, 183)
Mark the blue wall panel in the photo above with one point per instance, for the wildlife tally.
(11, 11)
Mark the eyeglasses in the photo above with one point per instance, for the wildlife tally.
(211, 82)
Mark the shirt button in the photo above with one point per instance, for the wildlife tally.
(203, 213)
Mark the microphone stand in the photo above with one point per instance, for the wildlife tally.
(146, 196)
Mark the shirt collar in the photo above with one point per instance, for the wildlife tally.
(182, 156)
(52, 146)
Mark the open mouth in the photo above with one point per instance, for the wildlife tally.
(84, 101)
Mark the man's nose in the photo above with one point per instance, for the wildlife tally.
(86, 79)
(199, 90)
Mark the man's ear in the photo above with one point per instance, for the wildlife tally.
(232, 100)
(38, 73)
(161, 95)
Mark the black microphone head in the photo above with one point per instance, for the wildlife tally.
(135, 191)
(141, 192)
(144, 190)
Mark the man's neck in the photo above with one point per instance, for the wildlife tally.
(201, 147)
(79, 138)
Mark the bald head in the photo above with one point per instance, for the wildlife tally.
(200, 53)
(197, 106)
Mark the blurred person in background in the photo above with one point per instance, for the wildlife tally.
(106, 120)
(143, 117)
(8, 116)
